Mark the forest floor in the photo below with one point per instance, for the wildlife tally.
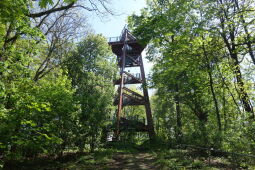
(133, 161)
(129, 160)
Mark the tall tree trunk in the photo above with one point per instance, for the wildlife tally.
(217, 110)
(178, 115)
(228, 28)
(243, 94)
(224, 108)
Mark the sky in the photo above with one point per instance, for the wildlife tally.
(112, 25)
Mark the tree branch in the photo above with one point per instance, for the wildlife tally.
(35, 15)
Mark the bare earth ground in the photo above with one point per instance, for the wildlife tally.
(136, 161)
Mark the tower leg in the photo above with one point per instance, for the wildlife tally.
(120, 105)
(147, 102)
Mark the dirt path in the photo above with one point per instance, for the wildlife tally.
(137, 161)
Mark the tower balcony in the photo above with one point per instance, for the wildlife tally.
(117, 44)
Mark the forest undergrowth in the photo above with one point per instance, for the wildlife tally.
(123, 155)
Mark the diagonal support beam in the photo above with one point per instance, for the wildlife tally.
(130, 75)
(132, 92)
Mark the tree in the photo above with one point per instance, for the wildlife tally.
(195, 56)
(40, 109)
(92, 71)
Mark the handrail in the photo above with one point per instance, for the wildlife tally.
(131, 91)
(131, 97)
(118, 39)
(114, 39)
(130, 75)
(121, 37)
(130, 57)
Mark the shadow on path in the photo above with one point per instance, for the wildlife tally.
(137, 161)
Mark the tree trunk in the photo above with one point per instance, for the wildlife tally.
(231, 46)
(215, 100)
(217, 110)
(224, 108)
(243, 94)
(178, 116)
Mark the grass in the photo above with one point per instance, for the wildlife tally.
(188, 159)
(84, 160)
(119, 155)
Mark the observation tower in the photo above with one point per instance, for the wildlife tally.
(128, 52)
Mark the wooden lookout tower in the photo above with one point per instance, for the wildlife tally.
(128, 52)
